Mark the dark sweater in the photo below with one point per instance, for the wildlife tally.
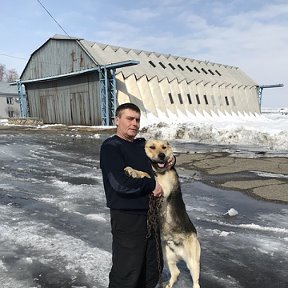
(124, 192)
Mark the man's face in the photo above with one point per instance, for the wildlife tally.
(128, 124)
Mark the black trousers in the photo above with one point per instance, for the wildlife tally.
(134, 256)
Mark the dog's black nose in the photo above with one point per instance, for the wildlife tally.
(161, 156)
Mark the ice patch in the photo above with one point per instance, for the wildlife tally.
(225, 233)
(219, 232)
(2, 266)
(6, 187)
(96, 217)
(228, 281)
(271, 175)
(263, 228)
(54, 244)
(252, 226)
(265, 246)
(198, 209)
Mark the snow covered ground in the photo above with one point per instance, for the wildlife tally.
(55, 230)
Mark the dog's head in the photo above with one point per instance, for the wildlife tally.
(159, 152)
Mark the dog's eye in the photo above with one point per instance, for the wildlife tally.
(164, 147)
(152, 147)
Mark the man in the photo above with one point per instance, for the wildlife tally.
(134, 256)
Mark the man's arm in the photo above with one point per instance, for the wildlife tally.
(112, 165)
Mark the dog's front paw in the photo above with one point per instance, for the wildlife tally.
(135, 173)
(131, 172)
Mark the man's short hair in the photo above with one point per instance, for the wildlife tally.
(125, 106)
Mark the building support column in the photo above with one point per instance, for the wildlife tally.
(22, 99)
(108, 96)
(108, 99)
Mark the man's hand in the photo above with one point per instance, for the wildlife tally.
(158, 191)
(171, 162)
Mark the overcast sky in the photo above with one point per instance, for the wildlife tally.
(252, 35)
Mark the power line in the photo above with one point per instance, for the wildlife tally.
(11, 56)
(53, 18)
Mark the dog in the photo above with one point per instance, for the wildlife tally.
(178, 234)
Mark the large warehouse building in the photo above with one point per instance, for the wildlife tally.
(75, 81)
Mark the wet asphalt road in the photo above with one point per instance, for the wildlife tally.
(55, 231)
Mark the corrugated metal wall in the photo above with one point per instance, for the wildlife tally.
(57, 57)
(71, 101)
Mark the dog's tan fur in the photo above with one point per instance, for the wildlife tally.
(178, 234)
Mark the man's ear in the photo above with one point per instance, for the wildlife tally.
(117, 121)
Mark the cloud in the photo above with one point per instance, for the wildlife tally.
(139, 15)
(249, 34)
(116, 33)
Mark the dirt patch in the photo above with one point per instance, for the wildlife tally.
(261, 177)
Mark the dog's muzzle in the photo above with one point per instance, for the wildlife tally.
(161, 164)
(161, 156)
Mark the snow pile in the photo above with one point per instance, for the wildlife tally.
(231, 212)
(3, 121)
(269, 130)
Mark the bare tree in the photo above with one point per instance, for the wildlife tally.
(2, 72)
(11, 75)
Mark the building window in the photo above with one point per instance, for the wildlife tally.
(204, 70)
(11, 114)
(171, 66)
(197, 98)
(180, 98)
(213, 100)
(10, 100)
(152, 64)
(220, 100)
(171, 98)
(218, 72)
(211, 72)
(189, 98)
(205, 99)
(181, 68)
(233, 100)
(197, 69)
(162, 65)
(226, 100)
(189, 68)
